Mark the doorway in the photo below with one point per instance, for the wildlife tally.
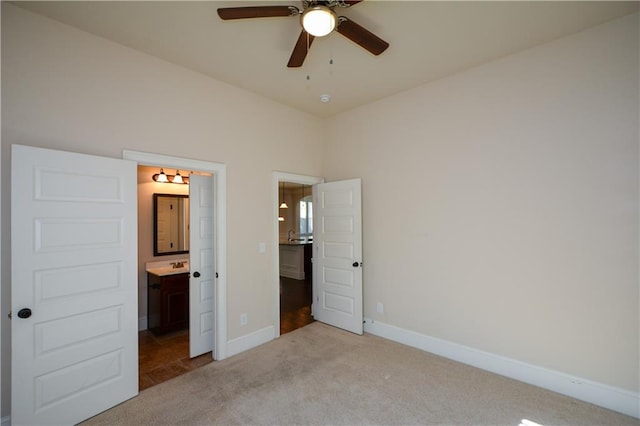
(218, 323)
(295, 249)
(164, 315)
(294, 242)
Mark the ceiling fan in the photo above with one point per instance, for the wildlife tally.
(318, 18)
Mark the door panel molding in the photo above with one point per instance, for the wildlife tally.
(75, 348)
(201, 260)
(337, 254)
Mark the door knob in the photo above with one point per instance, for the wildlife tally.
(196, 274)
(356, 264)
(24, 313)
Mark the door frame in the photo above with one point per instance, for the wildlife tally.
(219, 172)
(278, 177)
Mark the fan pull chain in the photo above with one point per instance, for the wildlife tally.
(306, 62)
(331, 54)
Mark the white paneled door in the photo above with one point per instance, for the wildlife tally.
(74, 285)
(201, 264)
(337, 254)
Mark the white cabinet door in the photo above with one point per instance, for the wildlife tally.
(201, 264)
(74, 266)
(337, 254)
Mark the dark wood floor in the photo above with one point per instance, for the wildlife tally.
(295, 304)
(163, 357)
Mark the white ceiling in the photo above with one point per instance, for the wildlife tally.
(428, 40)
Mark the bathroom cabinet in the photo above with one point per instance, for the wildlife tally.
(168, 302)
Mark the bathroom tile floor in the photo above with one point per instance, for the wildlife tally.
(163, 357)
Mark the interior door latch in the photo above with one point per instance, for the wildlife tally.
(23, 313)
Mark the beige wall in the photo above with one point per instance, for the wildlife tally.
(68, 90)
(517, 182)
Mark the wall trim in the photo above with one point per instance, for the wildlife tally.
(250, 341)
(611, 397)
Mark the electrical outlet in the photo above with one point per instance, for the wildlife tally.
(243, 319)
(380, 308)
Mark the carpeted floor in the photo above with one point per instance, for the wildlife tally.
(321, 375)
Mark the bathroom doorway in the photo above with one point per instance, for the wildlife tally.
(294, 237)
(211, 257)
(164, 279)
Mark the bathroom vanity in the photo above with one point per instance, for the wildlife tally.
(168, 299)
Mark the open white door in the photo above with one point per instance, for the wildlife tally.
(201, 264)
(337, 254)
(74, 292)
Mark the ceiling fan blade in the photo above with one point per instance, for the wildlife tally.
(300, 50)
(257, 12)
(351, 2)
(361, 36)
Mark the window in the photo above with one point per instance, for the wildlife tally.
(306, 217)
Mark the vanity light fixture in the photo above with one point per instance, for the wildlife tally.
(177, 178)
(319, 20)
(162, 177)
(284, 204)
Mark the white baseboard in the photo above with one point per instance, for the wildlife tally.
(250, 341)
(613, 398)
(142, 323)
(5, 421)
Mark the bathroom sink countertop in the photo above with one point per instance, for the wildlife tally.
(296, 242)
(166, 268)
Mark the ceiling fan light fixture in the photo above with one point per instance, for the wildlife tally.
(319, 20)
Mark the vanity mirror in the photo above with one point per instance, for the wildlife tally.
(170, 224)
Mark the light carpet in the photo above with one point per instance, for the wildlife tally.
(322, 375)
